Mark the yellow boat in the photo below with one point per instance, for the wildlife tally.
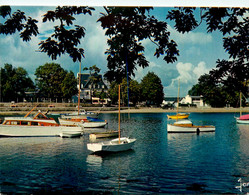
(178, 116)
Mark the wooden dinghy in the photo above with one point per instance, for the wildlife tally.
(105, 134)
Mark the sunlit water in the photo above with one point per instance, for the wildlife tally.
(158, 163)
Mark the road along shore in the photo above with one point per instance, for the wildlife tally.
(59, 110)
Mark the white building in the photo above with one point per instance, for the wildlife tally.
(197, 100)
(87, 87)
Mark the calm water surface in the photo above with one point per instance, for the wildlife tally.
(158, 163)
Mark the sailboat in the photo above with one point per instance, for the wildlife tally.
(115, 145)
(243, 119)
(186, 126)
(178, 115)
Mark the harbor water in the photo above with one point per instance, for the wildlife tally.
(159, 162)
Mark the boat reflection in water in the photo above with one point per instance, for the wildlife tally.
(244, 137)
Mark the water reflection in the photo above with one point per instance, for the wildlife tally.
(159, 162)
(112, 170)
(242, 162)
(94, 160)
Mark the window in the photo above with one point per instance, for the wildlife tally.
(34, 123)
(13, 122)
(24, 122)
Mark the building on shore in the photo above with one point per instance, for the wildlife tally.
(90, 85)
(196, 101)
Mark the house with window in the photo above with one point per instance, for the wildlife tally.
(196, 100)
(90, 85)
(187, 100)
(170, 102)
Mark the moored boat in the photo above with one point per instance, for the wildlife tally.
(70, 134)
(178, 116)
(87, 123)
(40, 125)
(69, 122)
(105, 134)
(186, 126)
(93, 123)
(242, 119)
(78, 116)
(116, 145)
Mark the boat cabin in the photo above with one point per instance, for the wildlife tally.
(39, 120)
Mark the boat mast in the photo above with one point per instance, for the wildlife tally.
(127, 80)
(79, 91)
(240, 103)
(178, 100)
(119, 114)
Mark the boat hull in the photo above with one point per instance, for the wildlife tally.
(69, 122)
(103, 134)
(78, 117)
(242, 121)
(70, 134)
(94, 124)
(35, 131)
(171, 128)
(112, 146)
(179, 116)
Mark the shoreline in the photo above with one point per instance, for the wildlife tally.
(126, 110)
(186, 110)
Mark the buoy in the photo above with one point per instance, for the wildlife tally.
(198, 131)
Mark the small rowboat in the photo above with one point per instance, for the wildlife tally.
(70, 134)
(105, 134)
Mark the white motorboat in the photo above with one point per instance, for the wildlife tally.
(97, 123)
(68, 122)
(40, 125)
(90, 124)
(93, 123)
(116, 145)
(78, 116)
(186, 126)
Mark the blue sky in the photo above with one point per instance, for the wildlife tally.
(199, 50)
